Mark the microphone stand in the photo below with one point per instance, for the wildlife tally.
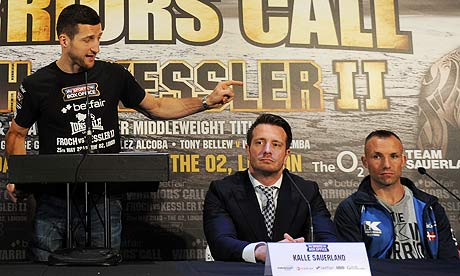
(89, 134)
(311, 239)
(422, 171)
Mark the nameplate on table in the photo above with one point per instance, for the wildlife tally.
(340, 258)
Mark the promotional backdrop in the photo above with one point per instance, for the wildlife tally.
(336, 70)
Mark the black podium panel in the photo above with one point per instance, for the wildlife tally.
(121, 169)
(72, 168)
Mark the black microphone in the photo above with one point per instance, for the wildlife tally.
(422, 171)
(306, 201)
(88, 122)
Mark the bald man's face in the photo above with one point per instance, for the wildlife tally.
(384, 159)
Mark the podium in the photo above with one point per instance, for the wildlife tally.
(61, 168)
(144, 169)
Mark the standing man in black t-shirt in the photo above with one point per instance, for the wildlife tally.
(58, 97)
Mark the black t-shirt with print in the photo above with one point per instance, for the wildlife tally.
(57, 102)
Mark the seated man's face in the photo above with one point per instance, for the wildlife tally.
(267, 152)
(384, 159)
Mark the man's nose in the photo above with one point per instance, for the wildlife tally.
(386, 162)
(268, 147)
(95, 48)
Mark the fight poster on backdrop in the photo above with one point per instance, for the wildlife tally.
(336, 70)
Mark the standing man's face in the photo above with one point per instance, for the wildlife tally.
(267, 151)
(80, 52)
(385, 160)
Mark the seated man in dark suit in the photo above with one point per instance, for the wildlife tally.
(262, 204)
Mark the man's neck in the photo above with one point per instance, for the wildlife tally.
(66, 66)
(267, 179)
(391, 194)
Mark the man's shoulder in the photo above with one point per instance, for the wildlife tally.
(356, 199)
(352, 199)
(116, 71)
(350, 207)
(419, 194)
(235, 178)
(43, 74)
(109, 65)
(41, 80)
(302, 182)
(231, 182)
(297, 177)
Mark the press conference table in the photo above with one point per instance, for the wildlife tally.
(201, 268)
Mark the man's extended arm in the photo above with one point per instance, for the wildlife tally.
(173, 108)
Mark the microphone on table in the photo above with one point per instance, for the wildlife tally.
(306, 201)
(422, 171)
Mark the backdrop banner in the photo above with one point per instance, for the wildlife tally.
(336, 70)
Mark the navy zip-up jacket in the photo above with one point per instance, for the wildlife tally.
(361, 211)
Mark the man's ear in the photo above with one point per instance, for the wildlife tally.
(404, 160)
(363, 159)
(63, 40)
(288, 152)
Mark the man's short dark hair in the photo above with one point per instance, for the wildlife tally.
(73, 15)
(271, 119)
(381, 133)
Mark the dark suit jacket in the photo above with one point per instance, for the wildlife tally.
(232, 218)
